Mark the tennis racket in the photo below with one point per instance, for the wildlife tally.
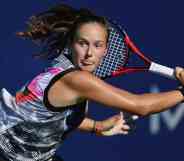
(117, 61)
(120, 50)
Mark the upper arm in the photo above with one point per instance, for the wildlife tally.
(90, 87)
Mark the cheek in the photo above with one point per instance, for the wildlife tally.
(101, 53)
(78, 52)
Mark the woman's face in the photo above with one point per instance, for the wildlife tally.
(89, 46)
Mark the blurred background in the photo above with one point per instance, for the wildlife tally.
(157, 28)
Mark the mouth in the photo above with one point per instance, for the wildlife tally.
(87, 62)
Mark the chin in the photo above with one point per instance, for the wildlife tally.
(87, 68)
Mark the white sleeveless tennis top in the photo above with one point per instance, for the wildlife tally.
(30, 129)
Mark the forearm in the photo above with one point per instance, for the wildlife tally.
(144, 104)
(158, 102)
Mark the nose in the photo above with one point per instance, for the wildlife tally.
(89, 52)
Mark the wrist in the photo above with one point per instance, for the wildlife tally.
(97, 127)
(93, 130)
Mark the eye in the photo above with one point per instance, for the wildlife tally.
(99, 45)
(82, 43)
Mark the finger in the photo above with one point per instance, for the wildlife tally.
(122, 118)
(121, 115)
(113, 119)
(181, 74)
(123, 122)
(125, 127)
(123, 132)
(178, 71)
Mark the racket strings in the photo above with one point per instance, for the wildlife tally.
(133, 64)
(116, 56)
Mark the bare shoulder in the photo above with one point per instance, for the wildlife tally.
(81, 79)
(67, 90)
(77, 75)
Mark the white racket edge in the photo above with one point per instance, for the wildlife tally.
(162, 70)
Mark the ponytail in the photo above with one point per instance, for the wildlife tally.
(54, 28)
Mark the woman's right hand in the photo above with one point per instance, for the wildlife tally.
(179, 72)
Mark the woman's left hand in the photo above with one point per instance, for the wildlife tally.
(117, 126)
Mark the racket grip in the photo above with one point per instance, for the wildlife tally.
(162, 70)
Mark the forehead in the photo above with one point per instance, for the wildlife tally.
(92, 30)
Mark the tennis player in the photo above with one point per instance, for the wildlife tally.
(39, 117)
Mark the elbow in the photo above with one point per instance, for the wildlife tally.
(141, 111)
(141, 108)
(144, 111)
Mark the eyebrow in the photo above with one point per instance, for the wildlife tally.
(83, 39)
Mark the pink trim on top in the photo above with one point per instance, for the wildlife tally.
(35, 85)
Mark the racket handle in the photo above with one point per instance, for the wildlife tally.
(162, 70)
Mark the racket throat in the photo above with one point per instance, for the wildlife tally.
(123, 70)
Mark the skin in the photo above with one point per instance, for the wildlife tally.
(89, 47)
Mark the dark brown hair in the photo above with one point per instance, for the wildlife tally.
(56, 27)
